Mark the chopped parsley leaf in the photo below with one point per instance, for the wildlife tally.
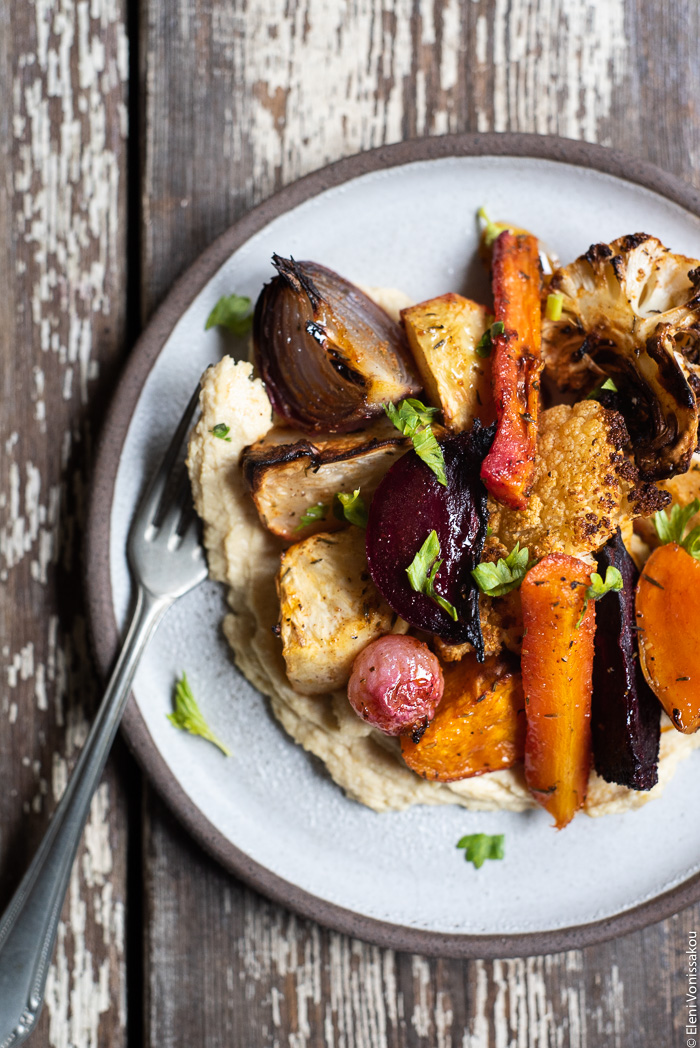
(423, 569)
(414, 419)
(478, 847)
(221, 430)
(485, 343)
(671, 527)
(232, 312)
(505, 575)
(312, 515)
(598, 588)
(352, 508)
(187, 715)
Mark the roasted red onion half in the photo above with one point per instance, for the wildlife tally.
(328, 355)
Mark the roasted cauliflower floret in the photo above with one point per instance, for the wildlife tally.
(628, 309)
(584, 489)
(329, 609)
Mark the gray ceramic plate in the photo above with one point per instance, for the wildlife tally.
(402, 216)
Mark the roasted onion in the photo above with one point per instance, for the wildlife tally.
(328, 355)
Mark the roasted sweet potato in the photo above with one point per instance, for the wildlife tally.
(557, 662)
(625, 716)
(668, 620)
(479, 725)
(509, 468)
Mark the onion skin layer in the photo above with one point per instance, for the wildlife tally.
(668, 612)
(329, 356)
(509, 468)
(557, 663)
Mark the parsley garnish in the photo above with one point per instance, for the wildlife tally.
(313, 514)
(413, 419)
(232, 312)
(188, 716)
(598, 588)
(608, 384)
(491, 230)
(482, 846)
(485, 343)
(555, 302)
(352, 508)
(505, 575)
(423, 569)
(221, 430)
(671, 528)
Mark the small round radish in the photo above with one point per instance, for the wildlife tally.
(396, 685)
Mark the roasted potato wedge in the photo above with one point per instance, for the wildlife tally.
(443, 334)
(285, 479)
(479, 725)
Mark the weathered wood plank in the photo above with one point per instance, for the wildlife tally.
(274, 90)
(63, 73)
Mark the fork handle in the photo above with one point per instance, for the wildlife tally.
(28, 926)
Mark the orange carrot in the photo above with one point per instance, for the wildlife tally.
(508, 469)
(557, 664)
(668, 614)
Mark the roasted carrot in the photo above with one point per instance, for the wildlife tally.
(668, 621)
(479, 725)
(557, 663)
(508, 469)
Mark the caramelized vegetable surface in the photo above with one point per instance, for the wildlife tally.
(408, 505)
(509, 468)
(668, 619)
(328, 355)
(625, 716)
(557, 662)
(479, 725)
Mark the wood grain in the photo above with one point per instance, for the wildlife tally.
(63, 72)
(279, 89)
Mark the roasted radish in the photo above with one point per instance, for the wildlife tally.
(396, 685)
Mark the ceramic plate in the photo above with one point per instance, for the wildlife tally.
(401, 217)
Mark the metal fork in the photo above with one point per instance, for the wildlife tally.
(166, 561)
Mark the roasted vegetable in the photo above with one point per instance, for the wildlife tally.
(395, 685)
(668, 620)
(329, 609)
(583, 487)
(624, 713)
(328, 355)
(443, 334)
(509, 468)
(557, 661)
(479, 725)
(286, 478)
(408, 505)
(628, 307)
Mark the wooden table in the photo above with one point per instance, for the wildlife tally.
(132, 134)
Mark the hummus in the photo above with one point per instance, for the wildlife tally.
(245, 557)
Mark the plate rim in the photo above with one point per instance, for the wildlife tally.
(97, 582)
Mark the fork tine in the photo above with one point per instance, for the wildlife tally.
(150, 502)
(175, 512)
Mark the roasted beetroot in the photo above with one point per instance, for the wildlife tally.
(625, 714)
(396, 685)
(408, 505)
